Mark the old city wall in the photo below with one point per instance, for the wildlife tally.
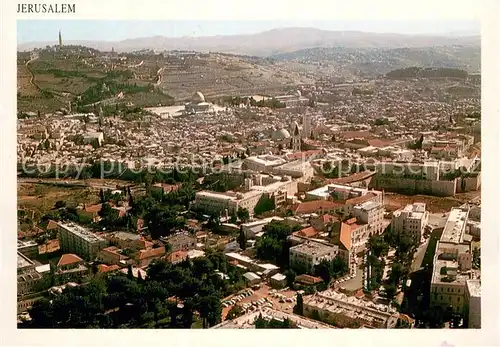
(469, 184)
(414, 186)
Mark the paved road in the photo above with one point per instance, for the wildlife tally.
(419, 256)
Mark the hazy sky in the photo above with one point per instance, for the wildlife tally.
(115, 30)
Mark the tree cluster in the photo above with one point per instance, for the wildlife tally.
(170, 296)
(329, 270)
(273, 246)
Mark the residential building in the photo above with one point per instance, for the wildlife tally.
(145, 256)
(180, 242)
(410, 220)
(452, 266)
(113, 255)
(371, 213)
(311, 253)
(71, 267)
(76, 239)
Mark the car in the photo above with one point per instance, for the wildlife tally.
(224, 304)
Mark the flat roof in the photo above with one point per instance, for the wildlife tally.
(437, 277)
(80, 231)
(368, 205)
(23, 261)
(454, 228)
(247, 320)
(474, 287)
(311, 247)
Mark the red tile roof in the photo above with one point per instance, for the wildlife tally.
(345, 235)
(176, 256)
(102, 268)
(308, 279)
(52, 225)
(307, 232)
(67, 259)
(154, 252)
(93, 208)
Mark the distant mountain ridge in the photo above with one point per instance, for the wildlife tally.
(272, 42)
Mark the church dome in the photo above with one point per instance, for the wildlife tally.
(281, 134)
(298, 94)
(197, 98)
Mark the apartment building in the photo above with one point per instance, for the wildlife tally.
(452, 265)
(76, 239)
(411, 220)
(311, 253)
(372, 213)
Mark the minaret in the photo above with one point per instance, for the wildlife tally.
(296, 137)
(60, 39)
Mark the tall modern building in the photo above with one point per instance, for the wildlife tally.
(60, 39)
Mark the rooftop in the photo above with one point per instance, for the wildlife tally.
(454, 228)
(311, 247)
(474, 287)
(80, 231)
(368, 205)
(23, 261)
(246, 321)
(351, 306)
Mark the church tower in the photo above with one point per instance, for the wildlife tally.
(60, 39)
(306, 125)
(296, 137)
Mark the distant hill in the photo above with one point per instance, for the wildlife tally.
(271, 42)
(373, 61)
(416, 72)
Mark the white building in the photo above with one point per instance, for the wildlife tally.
(311, 253)
(263, 163)
(452, 265)
(372, 213)
(275, 186)
(411, 220)
(473, 303)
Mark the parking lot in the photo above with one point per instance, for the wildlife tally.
(251, 300)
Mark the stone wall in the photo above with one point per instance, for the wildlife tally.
(414, 186)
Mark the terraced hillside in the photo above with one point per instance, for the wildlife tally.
(87, 78)
(219, 75)
(54, 78)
